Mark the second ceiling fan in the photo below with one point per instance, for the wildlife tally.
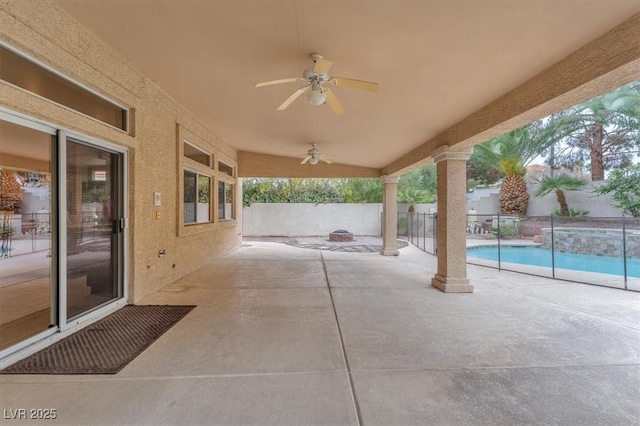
(318, 78)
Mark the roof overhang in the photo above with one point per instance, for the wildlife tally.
(450, 73)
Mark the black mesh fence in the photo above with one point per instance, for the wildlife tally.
(602, 251)
(419, 229)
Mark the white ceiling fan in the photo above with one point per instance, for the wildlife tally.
(313, 156)
(318, 78)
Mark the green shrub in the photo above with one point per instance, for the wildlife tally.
(505, 231)
(570, 213)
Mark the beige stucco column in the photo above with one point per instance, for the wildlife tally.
(452, 221)
(390, 210)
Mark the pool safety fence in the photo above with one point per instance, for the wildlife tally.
(419, 229)
(602, 251)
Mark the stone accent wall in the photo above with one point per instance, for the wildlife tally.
(600, 242)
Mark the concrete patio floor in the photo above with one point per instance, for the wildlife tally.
(283, 335)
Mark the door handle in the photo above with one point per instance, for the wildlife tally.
(119, 225)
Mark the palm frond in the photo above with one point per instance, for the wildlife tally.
(558, 183)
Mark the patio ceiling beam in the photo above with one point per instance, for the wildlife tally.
(252, 164)
(602, 65)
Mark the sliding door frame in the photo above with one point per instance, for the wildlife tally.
(65, 326)
(28, 123)
(123, 199)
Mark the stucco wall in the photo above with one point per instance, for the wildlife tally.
(300, 219)
(598, 206)
(48, 34)
(311, 219)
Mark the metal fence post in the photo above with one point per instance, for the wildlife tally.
(624, 250)
(553, 253)
(435, 234)
(424, 231)
(410, 214)
(499, 254)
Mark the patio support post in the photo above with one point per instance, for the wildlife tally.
(390, 210)
(451, 276)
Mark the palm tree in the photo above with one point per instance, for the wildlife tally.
(606, 128)
(559, 184)
(510, 154)
(413, 196)
(10, 195)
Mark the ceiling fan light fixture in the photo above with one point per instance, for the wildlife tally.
(313, 161)
(316, 78)
(316, 96)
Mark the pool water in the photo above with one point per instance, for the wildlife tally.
(538, 256)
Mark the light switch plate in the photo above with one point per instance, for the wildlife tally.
(156, 199)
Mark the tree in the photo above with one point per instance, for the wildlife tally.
(559, 184)
(606, 131)
(510, 154)
(352, 190)
(413, 196)
(418, 186)
(480, 172)
(357, 190)
(624, 184)
(290, 191)
(10, 194)
(422, 179)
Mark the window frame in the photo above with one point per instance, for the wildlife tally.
(202, 151)
(127, 112)
(185, 136)
(197, 175)
(233, 200)
(224, 173)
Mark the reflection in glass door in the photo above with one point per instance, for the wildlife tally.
(27, 286)
(94, 227)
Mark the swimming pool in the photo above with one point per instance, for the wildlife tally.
(539, 256)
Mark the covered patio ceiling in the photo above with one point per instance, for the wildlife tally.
(450, 72)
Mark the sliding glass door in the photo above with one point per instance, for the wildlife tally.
(27, 282)
(94, 228)
(62, 209)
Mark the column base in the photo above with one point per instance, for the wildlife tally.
(390, 252)
(452, 285)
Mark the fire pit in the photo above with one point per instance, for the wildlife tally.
(341, 236)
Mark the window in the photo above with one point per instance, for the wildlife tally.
(197, 183)
(196, 154)
(225, 168)
(207, 185)
(225, 201)
(21, 72)
(197, 198)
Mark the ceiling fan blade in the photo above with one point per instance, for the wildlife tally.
(355, 84)
(284, 80)
(307, 158)
(333, 102)
(326, 160)
(322, 66)
(293, 97)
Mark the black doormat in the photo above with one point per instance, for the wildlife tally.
(106, 346)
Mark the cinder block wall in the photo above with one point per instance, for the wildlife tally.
(306, 219)
(299, 219)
